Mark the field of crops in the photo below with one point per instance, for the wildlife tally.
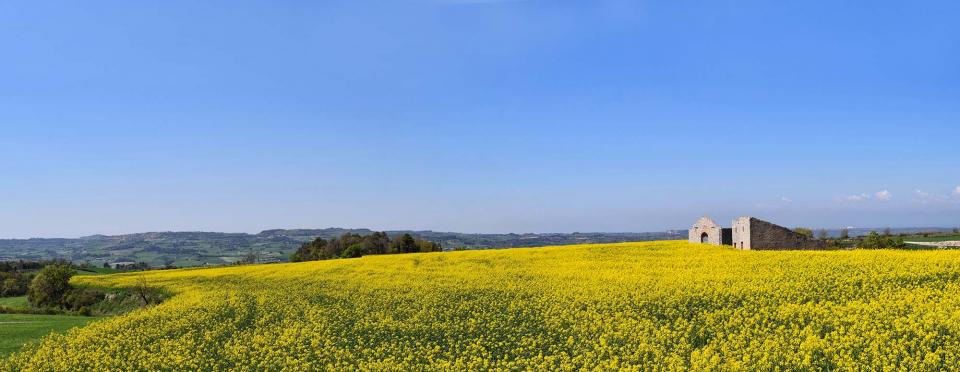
(18, 328)
(941, 238)
(659, 305)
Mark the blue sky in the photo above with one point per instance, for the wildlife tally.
(476, 116)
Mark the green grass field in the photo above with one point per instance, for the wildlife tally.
(918, 238)
(17, 329)
(14, 301)
(96, 271)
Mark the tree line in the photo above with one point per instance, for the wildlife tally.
(873, 240)
(354, 245)
(51, 288)
(15, 276)
(14, 283)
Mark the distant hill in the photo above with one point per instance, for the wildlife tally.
(861, 231)
(214, 248)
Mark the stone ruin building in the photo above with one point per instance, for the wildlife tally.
(751, 233)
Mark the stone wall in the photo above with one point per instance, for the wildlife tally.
(764, 235)
(741, 233)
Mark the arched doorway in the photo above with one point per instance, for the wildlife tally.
(704, 238)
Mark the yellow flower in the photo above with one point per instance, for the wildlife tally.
(631, 306)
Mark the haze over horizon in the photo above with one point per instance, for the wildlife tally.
(476, 116)
(831, 229)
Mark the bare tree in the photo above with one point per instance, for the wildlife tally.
(822, 234)
(249, 258)
(844, 233)
(142, 290)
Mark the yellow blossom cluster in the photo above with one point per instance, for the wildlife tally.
(639, 306)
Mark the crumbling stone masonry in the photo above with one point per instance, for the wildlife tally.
(705, 230)
(751, 233)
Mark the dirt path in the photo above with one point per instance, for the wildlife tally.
(953, 243)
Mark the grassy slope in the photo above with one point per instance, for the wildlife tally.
(17, 329)
(14, 301)
(96, 271)
(919, 238)
(668, 305)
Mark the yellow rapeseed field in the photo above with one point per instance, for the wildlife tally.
(643, 306)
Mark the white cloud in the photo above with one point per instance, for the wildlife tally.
(879, 195)
(856, 198)
(951, 197)
(786, 199)
(931, 198)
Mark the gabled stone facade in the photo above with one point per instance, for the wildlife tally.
(707, 231)
(751, 233)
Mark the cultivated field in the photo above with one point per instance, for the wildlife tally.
(938, 238)
(660, 305)
(19, 301)
(939, 244)
(19, 328)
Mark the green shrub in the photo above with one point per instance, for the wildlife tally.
(353, 251)
(804, 231)
(79, 298)
(876, 241)
(50, 286)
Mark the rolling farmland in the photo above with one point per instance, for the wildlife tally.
(664, 305)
